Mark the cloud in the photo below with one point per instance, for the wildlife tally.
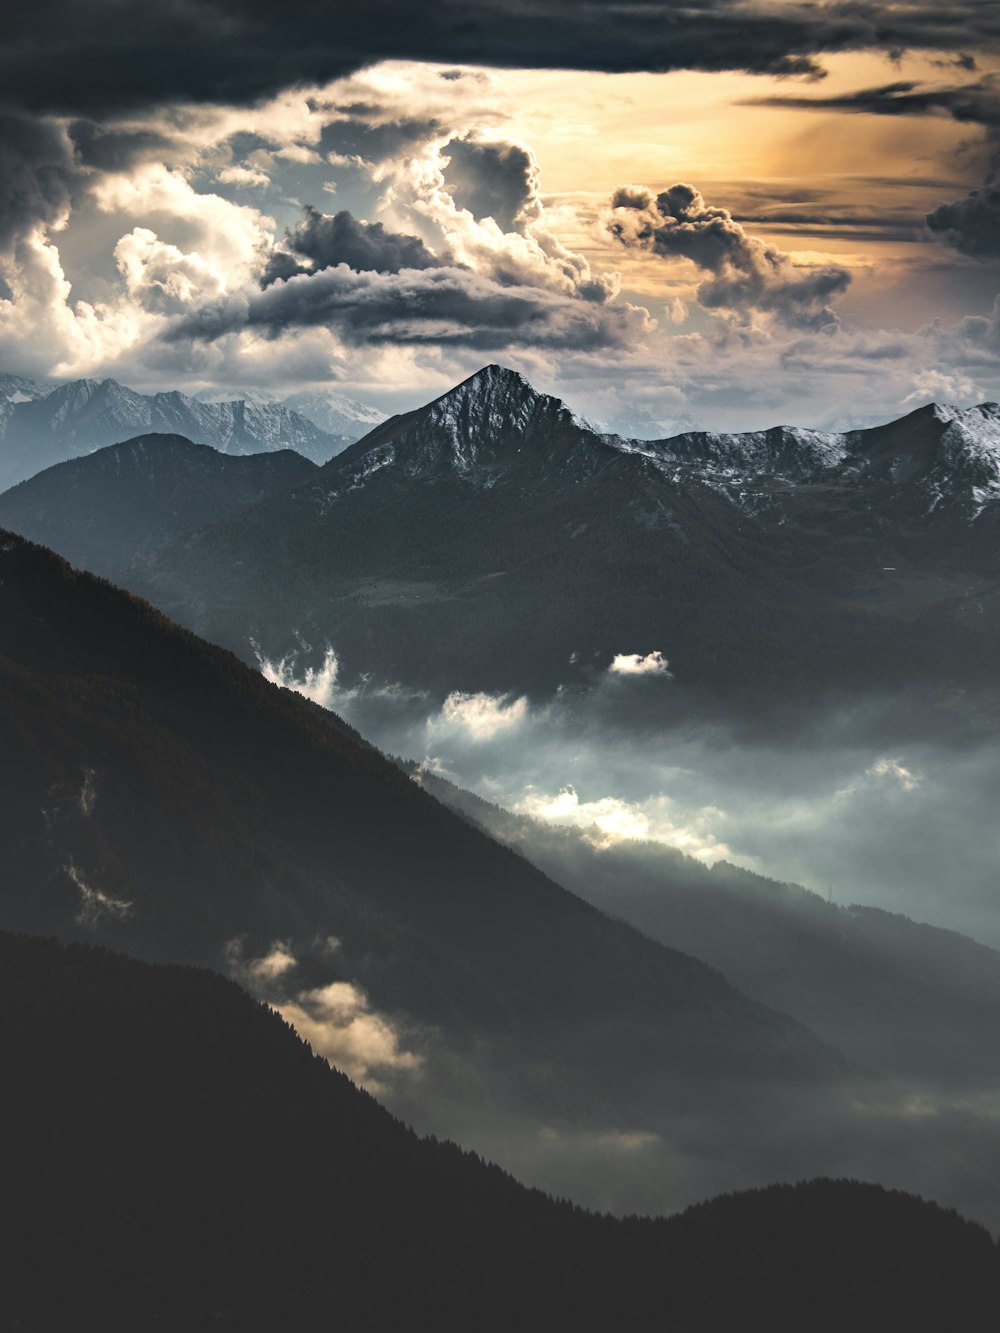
(116, 148)
(326, 241)
(37, 174)
(239, 50)
(480, 716)
(982, 333)
(975, 103)
(336, 1018)
(970, 225)
(633, 664)
(479, 197)
(338, 1024)
(497, 180)
(747, 275)
(161, 278)
(274, 964)
(250, 177)
(943, 387)
(608, 820)
(316, 683)
(441, 306)
(884, 772)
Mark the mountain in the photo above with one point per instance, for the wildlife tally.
(911, 1000)
(19, 389)
(126, 500)
(336, 413)
(184, 1162)
(85, 415)
(771, 569)
(159, 796)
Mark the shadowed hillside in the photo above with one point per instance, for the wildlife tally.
(183, 1161)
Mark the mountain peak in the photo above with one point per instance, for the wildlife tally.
(477, 429)
(494, 382)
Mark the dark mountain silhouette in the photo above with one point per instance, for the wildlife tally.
(770, 568)
(177, 1159)
(908, 999)
(130, 499)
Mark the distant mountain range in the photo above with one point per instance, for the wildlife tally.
(331, 410)
(179, 1160)
(770, 568)
(41, 425)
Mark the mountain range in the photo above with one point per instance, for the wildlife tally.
(162, 797)
(41, 425)
(769, 569)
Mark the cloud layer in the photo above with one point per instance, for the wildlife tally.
(242, 50)
(439, 306)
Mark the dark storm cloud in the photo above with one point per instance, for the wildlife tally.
(972, 103)
(442, 306)
(114, 150)
(108, 54)
(970, 225)
(746, 273)
(493, 180)
(326, 241)
(36, 175)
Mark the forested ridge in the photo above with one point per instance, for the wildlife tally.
(177, 1158)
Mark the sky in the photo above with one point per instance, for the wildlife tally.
(721, 214)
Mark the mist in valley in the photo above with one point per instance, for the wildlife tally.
(872, 802)
(786, 859)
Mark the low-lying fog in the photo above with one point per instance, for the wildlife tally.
(840, 807)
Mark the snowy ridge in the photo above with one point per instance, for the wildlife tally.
(970, 449)
(19, 389)
(336, 413)
(938, 460)
(85, 415)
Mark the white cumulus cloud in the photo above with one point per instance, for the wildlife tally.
(634, 664)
